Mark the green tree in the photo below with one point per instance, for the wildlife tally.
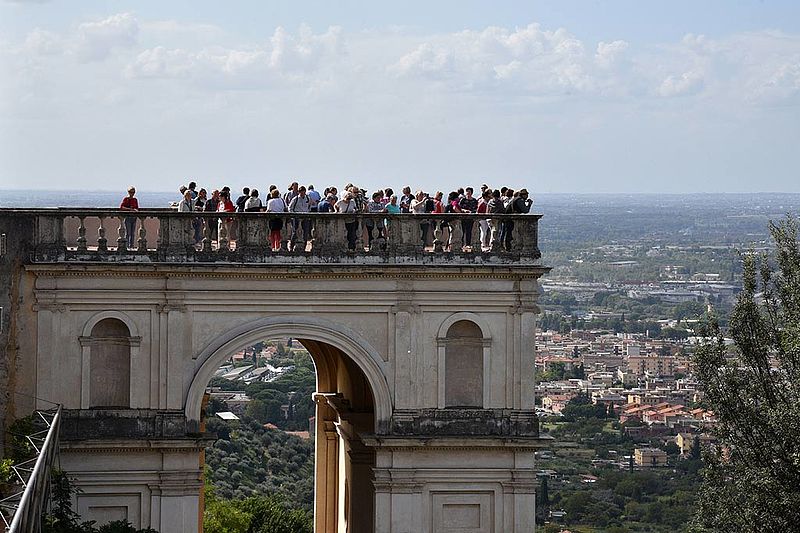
(752, 481)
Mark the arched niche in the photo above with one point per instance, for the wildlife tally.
(464, 347)
(107, 353)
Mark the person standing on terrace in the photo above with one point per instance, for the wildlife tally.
(130, 203)
(392, 207)
(187, 204)
(275, 205)
(301, 204)
(468, 204)
(406, 199)
(225, 206)
(347, 205)
(314, 197)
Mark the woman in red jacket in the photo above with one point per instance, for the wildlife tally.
(130, 203)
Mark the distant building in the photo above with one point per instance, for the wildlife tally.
(685, 441)
(651, 364)
(556, 402)
(649, 457)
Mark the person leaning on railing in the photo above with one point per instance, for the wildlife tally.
(130, 203)
(519, 204)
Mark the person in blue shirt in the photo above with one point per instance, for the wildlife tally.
(326, 205)
(314, 197)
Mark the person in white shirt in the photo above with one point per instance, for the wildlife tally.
(301, 204)
(253, 203)
(418, 208)
(187, 204)
(347, 205)
(275, 205)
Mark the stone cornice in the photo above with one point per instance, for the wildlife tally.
(273, 272)
(421, 444)
(136, 446)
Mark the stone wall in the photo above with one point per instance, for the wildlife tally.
(16, 240)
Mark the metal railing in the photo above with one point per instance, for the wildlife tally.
(168, 236)
(21, 512)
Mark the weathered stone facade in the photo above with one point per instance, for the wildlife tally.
(394, 454)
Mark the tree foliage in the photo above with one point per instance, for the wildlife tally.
(251, 460)
(256, 514)
(752, 481)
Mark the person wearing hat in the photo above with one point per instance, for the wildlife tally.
(519, 204)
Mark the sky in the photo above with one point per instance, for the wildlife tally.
(556, 96)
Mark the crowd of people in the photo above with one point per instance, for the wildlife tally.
(352, 199)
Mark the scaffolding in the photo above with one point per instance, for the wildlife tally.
(21, 511)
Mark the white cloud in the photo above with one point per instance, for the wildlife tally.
(686, 83)
(782, 84)
(538, 61)
(609, 53)
(425, 60)
(42, 42)
(96, 40)
(285, 58)
(160, 62)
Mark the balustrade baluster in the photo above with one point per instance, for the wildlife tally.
(456, 236)
(81, 234)
(295, 237)
(223, 235)
(122, 241)
(206, 221)
(437, 237)
(474, 233)
(286, 236)
(360, 228)
(495, 236)
(142, 242)
(378, 244)
(102, 242)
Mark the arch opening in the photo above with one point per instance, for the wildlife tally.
(342, 402)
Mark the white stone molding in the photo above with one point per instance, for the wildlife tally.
(297, 327)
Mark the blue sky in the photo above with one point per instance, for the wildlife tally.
(563, 96)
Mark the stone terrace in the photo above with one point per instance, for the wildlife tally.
(165, 236)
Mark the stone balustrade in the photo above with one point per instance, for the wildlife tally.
(94, 235)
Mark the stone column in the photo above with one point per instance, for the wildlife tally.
(325, 472)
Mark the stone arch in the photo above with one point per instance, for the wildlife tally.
(359, 351)
(92, 322)
(464, 334)
(471, 317)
